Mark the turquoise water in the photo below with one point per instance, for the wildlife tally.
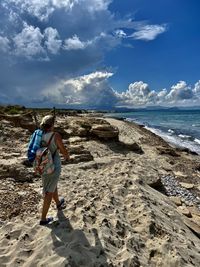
(180, 128)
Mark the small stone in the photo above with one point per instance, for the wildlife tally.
(180, 174)
(176, 200)
(183, 210)
(187, 185)
(190, 204)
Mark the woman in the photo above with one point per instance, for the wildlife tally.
(50, 181)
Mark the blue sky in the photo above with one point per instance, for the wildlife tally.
(100, 53)
(173, 56)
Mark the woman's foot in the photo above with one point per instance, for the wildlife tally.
(61, 204)
(47, 221)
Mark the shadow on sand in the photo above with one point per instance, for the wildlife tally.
(122, 148)
(73, 246)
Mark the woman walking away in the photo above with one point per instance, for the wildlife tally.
(50, 181)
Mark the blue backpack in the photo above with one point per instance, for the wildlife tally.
(34, 144)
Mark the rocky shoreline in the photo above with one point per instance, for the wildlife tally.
(132, 199)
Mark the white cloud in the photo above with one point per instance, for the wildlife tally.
(31, 43)
(43, 9)
(13, 17)
(143, 32)
(138, 93)
(140, 89)
(197, 87)
(4, 44)
(28, 42)
(120, 34)
(70, 25)
(74, 43)
(40, 9)
(53, 43)
(68, 4)
(180, 91)
(161, 96)
(93, 90)
(72, 35)
(90, 90)
(148, 32)
(95, 5)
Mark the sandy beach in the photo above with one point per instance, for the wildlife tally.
(117, 211)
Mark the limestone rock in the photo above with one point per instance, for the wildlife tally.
(20, 120)
(194, 211)
(179, 174)
(16, 171)
(63, 132)
(77, 127)
(192, 225)
(77, 149)
(176, 200)
(104, 131)
(183, 210)
(79, 154)
(76, 139)
(187, 185)
(196, 219)
(80, 131)
(80, 158)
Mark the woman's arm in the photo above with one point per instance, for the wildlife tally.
(60, 145)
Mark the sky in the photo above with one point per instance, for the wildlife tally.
(100, 53)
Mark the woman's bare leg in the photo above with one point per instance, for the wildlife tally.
(46, 204)
(55, 197)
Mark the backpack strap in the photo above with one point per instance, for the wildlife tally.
(53, 134)
(50, 139)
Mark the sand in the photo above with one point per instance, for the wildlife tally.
(114, 216)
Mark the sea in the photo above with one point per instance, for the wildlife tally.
(180, 128)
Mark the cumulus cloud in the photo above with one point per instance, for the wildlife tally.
(53, 43)
(139, 94)
(40, 9)
(74, 43)
(28, 42)
(75, 23)
(180, 91)
(92, 90)
(45, 42)
(197, 88)
(45, 8)
(4, 44)
(148, 32)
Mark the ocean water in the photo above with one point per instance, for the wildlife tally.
(180, 128)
